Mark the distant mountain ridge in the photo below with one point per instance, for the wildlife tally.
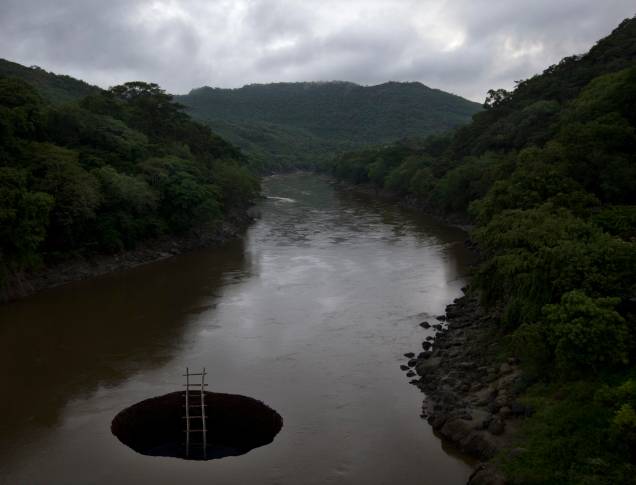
(337, 109)
(317, 119)
(286, 125)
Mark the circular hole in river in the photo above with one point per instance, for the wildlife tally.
(234, 425)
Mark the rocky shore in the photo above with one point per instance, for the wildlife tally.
(78, 268)
(470, 390)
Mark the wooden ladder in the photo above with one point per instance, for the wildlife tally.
(194, 395)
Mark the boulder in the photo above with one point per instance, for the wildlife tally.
(424, 366)
(456, 429)
(437, 421)
(505, 368)
(505, 412)
(486, 474)
(479, 444)
(496, 426)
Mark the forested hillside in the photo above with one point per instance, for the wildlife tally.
(56, 88)
(104, 173)
(275, 148)
(298, 124)
(547, 173)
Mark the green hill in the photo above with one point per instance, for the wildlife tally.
(547, 173)
(285, 125)
(531, 115)
(299, 123)
(56, 88)
(273, 147)
(105, 173)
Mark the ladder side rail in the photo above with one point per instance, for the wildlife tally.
(187, 401)
(203, 421)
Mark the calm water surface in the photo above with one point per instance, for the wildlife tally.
(310, 313)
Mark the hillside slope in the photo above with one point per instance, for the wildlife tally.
(106, 174)
(308, 121)
(547, 173)
(56, 88)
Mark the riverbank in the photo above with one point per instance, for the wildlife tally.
(20, 285)
(460, 221)
(295, 315)
(470, 389)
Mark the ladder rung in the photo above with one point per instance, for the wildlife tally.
(195, 392)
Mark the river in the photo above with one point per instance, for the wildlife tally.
(311, 312)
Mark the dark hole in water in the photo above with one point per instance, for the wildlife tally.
(235, 425)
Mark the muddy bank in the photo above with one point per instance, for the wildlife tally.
(20, 285)
(471, 393)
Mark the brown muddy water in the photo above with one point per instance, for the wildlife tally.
(311, 313)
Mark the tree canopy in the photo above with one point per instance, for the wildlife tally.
(547, 174)
(284, 125)
(103, 173)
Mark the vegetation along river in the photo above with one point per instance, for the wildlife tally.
(311, 313)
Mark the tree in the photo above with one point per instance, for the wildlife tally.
(24, 217)
(586, 333)
(75, 191)
(496, 97)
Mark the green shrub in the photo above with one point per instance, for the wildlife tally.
(586, 333)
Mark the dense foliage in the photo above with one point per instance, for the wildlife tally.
(104, 173)
(547, 173)
(276, 148)
(57, 88)
(299, 124)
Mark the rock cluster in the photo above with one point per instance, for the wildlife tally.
(470, 394)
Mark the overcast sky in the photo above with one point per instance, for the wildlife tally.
(461, 46)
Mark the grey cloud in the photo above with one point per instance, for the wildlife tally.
(463, 46)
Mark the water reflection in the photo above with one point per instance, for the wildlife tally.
(67, 342)
(311, 314)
